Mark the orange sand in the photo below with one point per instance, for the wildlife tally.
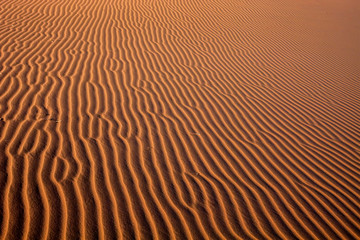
(175, 119)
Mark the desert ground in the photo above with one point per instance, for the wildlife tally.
(178, 119)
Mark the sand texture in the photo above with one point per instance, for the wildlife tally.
(179, 119)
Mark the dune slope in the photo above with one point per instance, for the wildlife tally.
(172, 119)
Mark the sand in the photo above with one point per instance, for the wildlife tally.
(174, 119)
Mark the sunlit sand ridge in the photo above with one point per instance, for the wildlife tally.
(174, 119)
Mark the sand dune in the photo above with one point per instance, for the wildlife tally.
(169, 119)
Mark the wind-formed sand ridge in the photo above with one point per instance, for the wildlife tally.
(169, 119)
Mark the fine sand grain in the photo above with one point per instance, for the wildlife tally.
(179, 119)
